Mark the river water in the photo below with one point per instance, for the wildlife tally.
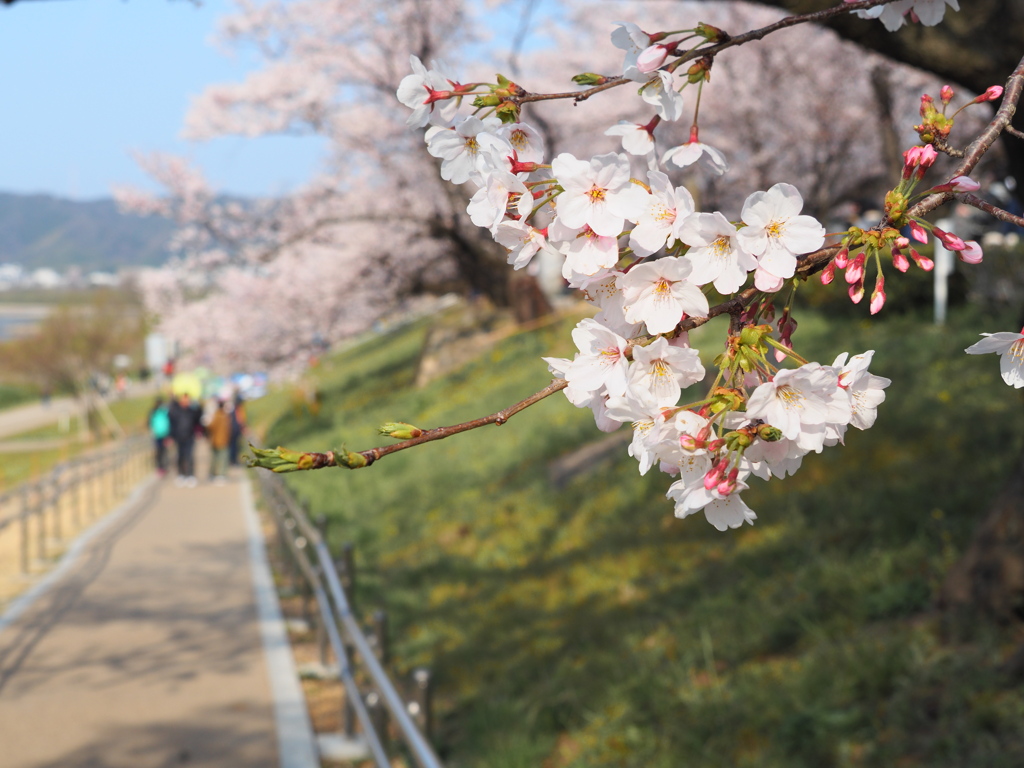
(18, 319)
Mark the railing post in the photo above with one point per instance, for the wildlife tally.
(94, 488)
(347, 571)
(321, 630)
(54, 493)
(25, 565)
(74, 482)
(420, 706)
(379, 642)
(378, 716)
(40, 513)
(349, 711)
(379, 638)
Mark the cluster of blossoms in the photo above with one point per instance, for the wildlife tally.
(637, 248)
(894, 15)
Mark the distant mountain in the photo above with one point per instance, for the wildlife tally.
(45, 231)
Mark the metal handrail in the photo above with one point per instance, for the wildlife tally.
(419, 747)
(374, 744)
(40, 495)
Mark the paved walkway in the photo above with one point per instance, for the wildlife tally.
(151, 649)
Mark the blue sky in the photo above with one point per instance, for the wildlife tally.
(87, 81)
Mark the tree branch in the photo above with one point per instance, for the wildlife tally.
(283, 460)
(992, 210)
(747, 37)
(982, 144)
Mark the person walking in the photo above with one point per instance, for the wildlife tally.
(186, 423)
(160, 431)
(238, 427)
(218, 431)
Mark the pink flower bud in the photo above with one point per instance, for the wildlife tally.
(689, 443)
(928, 156)
(842, 258)
(918, 232)
(971, 254)
(901, 262)
(728, 485)
(910, 160)
(878, 295)
(991, 93)
(964, 184)
(946, 94)
(857, 291)
(855, 271)
(828, 273)
(652, 58)
(714, 475)
(518, 167)
(948, 239)
(922, 261)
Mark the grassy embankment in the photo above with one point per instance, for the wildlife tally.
(574, 621)
(18, 466)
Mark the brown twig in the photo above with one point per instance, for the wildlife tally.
(372, 454)
(993, 210)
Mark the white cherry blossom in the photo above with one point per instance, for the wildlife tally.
(522, 241)
(636, 139)
(661, 215)
(722, 511)
(1010, 348)
(588, 254)
(660, 93)
(488, 205)
(866, 390)
(707, 157)
(644, 415)
(893, 16)
(630, 38)
(525, 140)
(597, 193)
(658, 293)
(458, 147)
(776, 232)
(799, 400)
(601, 365)
(419, 92)
(661, 371)
(717, 255)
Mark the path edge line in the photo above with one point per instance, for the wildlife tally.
(296, 744)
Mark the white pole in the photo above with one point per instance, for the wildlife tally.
(940, 274)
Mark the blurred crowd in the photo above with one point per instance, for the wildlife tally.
(179, 423)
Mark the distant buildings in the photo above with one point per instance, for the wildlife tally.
(15, 276)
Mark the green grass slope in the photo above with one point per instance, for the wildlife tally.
(572, 620)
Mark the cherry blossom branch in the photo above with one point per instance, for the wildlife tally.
(982, 144)
(993, 210)
(756, 34)
(814, 262)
